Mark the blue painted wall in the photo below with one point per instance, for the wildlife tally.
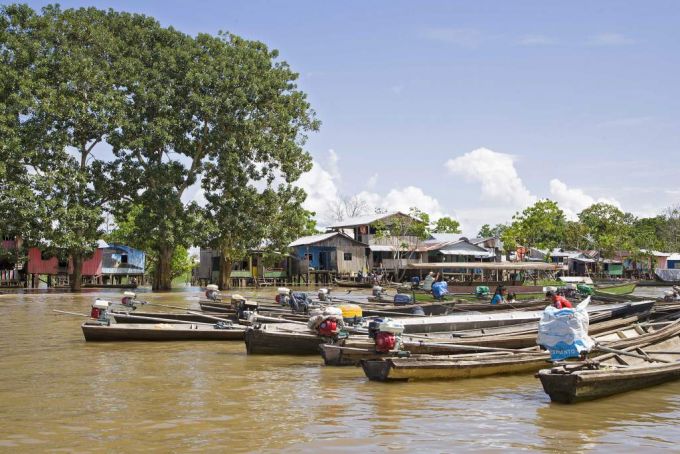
(300, 251)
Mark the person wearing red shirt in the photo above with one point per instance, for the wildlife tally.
(558, 301)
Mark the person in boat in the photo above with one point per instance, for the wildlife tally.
(558, 301)
(499, 297)
(512, 297)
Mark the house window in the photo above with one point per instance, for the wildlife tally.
(123, 258)
(309, 257)
(348, 256)
(63, 263)
(215, 263)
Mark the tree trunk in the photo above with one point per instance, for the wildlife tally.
(77, 274)
(162, 278)
(226, 264)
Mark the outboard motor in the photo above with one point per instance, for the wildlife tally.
(327, 324)
(212, 292)
(100, 310)
(402, 299)
(299, 302)
(374, 327)
(570, 291)
(283, 296)
(388, 336)
(415, 282)
(323, 294)
(245, 309)
(377, 291)
(129, 299)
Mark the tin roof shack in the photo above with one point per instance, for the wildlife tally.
(673, 261)
(43, 263)
(334, 252)
(119, 261)
(389, 238)
(256, 268)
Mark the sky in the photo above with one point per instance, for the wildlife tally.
(472, 109)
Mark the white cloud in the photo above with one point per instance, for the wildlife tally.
(535, 40)
(574, 200)
(468, 38)
(496, 173)
(332, 164)
(321, 187)
(609, 39)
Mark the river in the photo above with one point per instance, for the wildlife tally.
(59, 393)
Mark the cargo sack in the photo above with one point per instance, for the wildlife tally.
(439, 289)
(564, 332)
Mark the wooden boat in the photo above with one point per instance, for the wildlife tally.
(638, 366)
(353, 284)
(451, 307)
(351, 351)
(424, 367)
(504, 318)
(165, 317)
(117, 332)
(623, 288)
(282, 339)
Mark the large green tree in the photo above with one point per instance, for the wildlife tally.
(541, 225)
(609, 227)
(75, 103)
(446, 225)
(257, 123)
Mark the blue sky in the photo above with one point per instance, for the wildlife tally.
(576, 101)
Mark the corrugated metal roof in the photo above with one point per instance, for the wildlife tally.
(465, 253)
(490, 266)
(381, 248)
(674, 256)
(313, 239)
(444, 237)
(366, 220)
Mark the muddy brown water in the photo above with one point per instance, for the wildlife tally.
(59, 393)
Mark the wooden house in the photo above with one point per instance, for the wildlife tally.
(255, 268)
(332, 252)
(385, 253)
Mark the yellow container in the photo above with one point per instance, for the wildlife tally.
(350, 311)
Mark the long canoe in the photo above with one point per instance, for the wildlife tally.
(425, 367)
(638, 366)
(152, 317)
(282, 339)
(623, 288)
(351, 351)
(296, 339)
(118, 332)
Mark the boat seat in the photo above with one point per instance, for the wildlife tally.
(621, 360)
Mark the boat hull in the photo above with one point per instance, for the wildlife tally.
(590, 385)
(616, 289)
(394, 369)
(268, 340)
(160, 332)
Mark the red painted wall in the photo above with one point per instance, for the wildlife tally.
(36, 265)
(91, 266)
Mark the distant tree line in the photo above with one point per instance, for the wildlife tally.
(109, 112)
(601, 227)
